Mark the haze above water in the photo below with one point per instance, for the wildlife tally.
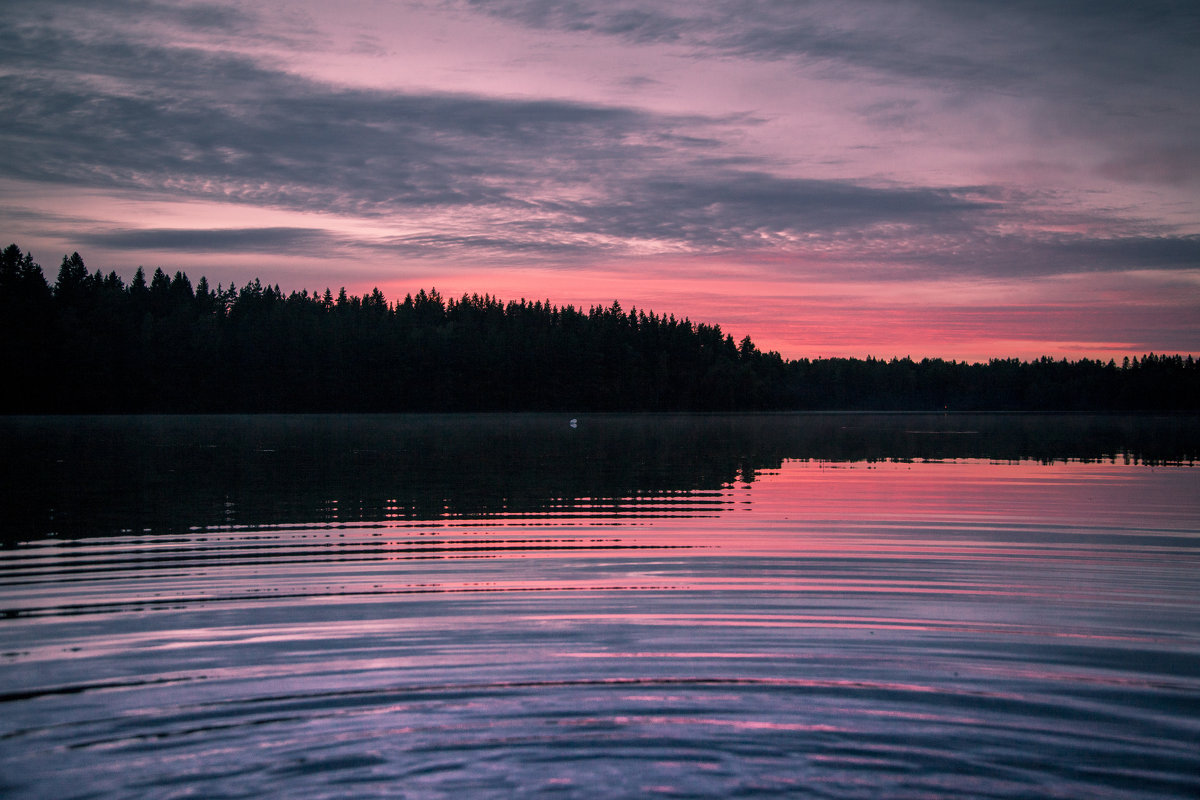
(700, 606)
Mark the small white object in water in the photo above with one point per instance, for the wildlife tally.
(574, 422)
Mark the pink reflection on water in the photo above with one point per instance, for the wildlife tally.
(921, 531)
(946, 509)
(688, 721)
(967, 490)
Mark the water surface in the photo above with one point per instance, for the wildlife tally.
(498, 606)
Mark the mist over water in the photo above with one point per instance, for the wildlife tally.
(699, 606)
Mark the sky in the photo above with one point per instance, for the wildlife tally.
(960, 179)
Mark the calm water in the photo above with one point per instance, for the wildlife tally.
(639, 606)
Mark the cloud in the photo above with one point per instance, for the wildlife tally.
(522, 176)
(1134, 252)
(1117, 75)
(879, 36)
(219, 240)
(528, 179)
(965, 42)
(981, 253)
(207, 22)
(221, 127)
(727, 209)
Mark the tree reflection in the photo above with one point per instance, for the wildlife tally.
(71, 476)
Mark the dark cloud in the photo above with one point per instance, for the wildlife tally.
(224, 128)
(979, 253)
(878, 36)
(974, 42)
(709, 211)
(844, 231)
(220, 240)
(94, 18)
(525, 178)
(718, 210)
(1118, 74)
(221, 127)
(502, 245)
(1133, 252)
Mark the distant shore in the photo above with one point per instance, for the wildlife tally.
(89, 343)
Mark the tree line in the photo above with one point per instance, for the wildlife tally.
(89, 342)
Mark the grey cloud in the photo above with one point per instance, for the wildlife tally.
(744, 209)
(737, 213)
(222, 127)
(1118, 74)
(1134, 252)
(560, 180)
(970, 41)
(980, 253)
(1173, 165)
(880, 36)
(219, 240)
(198, 16)
(123, 65)
(634, 21)
(503, 246)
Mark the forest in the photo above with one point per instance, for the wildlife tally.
(90, 343)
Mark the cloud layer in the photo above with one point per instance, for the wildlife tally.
(831, 142)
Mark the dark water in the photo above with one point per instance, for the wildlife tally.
(496, 606)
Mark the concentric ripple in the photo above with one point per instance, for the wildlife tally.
(896, 628)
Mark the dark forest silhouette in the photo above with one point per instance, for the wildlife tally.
(91, 343)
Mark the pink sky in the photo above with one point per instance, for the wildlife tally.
(832, 179)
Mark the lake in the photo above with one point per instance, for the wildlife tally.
(479, 606)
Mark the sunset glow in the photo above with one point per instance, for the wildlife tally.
(830, 179)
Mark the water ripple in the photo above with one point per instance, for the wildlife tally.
(901, 630)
